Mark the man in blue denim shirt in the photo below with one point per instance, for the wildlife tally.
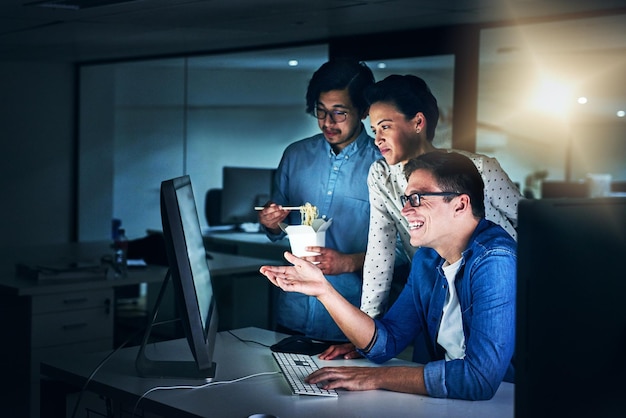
(461, 292)
(328, 170)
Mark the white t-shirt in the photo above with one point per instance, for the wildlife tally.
(450, 335)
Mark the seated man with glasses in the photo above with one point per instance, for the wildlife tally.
(329, 171)
(460, 292)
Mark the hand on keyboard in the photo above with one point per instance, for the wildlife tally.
(295, 368)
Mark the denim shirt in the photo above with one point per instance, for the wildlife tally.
(309, 171)
(486, 288)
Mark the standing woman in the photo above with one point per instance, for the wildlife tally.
(403, 116)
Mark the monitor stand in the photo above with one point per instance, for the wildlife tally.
(147, 367)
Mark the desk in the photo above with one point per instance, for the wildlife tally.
(268, 394)
(249, 244)
(41, 319)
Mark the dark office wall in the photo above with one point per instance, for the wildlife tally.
(36, 132)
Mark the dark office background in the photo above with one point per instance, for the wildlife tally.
(40, 120)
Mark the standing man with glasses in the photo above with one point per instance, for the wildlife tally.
(328, 170)
(460, 293)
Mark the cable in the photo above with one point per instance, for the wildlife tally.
(222, 382)
(104, 360)
(248, 341)
(209, 383)
(108, 356)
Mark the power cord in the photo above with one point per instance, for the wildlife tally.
(222, 382)
(209, 383)
(139, 332)
(248, 341)
(105, 359)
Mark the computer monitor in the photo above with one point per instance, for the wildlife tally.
(570, 354)
(193, 290)
(552, 189)
(243, 188)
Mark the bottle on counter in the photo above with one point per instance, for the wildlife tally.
(120, 254)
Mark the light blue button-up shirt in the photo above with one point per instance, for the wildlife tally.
(309, 171)
(486, 288)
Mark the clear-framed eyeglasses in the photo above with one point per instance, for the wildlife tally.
(336, 116)
(415, 198)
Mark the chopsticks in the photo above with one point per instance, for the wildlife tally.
(284, 207)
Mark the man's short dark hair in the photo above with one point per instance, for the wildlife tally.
(453, 172)
(339, 74)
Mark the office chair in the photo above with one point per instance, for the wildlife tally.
(213, 207)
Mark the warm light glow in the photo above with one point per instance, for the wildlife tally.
(552, 96)
(582, 100)
(293, 63)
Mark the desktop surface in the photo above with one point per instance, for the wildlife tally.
(243, 236)
(219, 263)
(264, 394)
(249, 244)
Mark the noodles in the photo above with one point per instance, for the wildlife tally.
(308, 213)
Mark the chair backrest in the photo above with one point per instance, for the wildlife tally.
(213, 207)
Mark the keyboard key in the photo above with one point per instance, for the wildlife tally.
(295, 368)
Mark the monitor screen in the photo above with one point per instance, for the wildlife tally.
(191, 278)
(243, 188)
(571, 323)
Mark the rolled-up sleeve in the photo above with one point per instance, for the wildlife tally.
(435, 379)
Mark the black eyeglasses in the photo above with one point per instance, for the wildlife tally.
(415, 198)
(335, 115)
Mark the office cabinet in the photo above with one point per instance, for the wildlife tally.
(43, 326)
(72, 318)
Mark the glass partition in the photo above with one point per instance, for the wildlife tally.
(146, 121)
(132, 132)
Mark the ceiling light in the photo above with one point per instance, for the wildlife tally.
(76, 4)
(621, 113)
(582, 100)
(293, 63)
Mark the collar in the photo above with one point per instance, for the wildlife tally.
(360, 142)
(397, 170)
(482, 225)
